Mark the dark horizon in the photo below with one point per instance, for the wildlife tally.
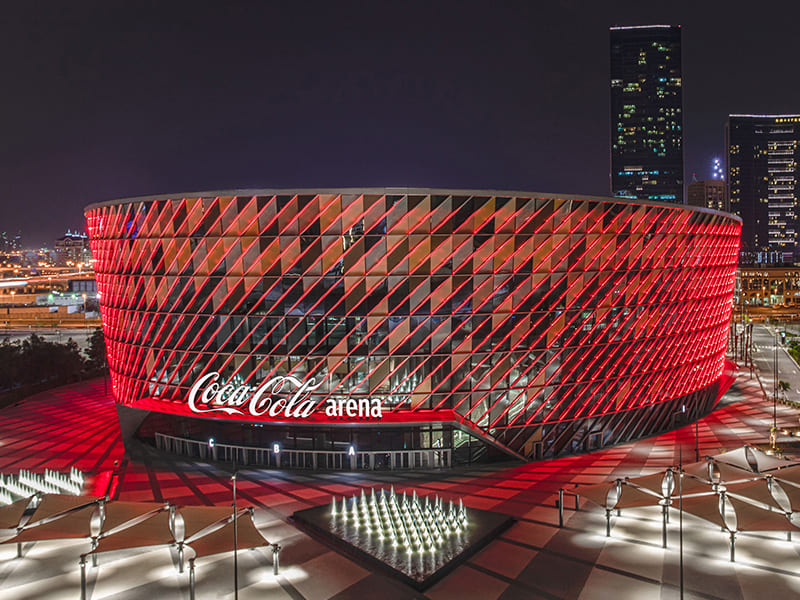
(107, 100)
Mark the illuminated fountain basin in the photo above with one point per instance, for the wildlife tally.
(417, 539)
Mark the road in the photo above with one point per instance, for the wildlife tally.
(764, 353)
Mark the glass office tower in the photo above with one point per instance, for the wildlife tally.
(646, 113)
(763, 151)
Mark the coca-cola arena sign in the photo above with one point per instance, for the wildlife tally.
(282, 396)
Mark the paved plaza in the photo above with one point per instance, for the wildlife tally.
(76, 426)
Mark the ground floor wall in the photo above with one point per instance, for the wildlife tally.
(464, 445)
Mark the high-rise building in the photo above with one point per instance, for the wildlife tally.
(10, 243)
(709, 193)
(646, 113)
(72, 250)
(762, 154)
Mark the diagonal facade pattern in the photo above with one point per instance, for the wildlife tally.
(534, 321)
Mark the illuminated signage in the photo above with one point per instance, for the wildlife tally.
(282, 396)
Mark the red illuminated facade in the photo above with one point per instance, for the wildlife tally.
(533, 324)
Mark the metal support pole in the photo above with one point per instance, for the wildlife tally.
(733, 546)
(83, 576)
(788, 536)
(664, 510)
(560, 507)
(724, 526)
(696, 440)
(576, 502)
(191, 579)
(275, 558)
(608, 522)
(19, 549)
(235, 542)
(180, 557)
(680, 518)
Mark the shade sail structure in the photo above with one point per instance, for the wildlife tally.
(119, 513)
(705, 507)
(752, 518)
(631, 497)
(698, 469)
(745, 456)
(221, 540)
(650, 482)
(768, 463)
(738, 458)
(153, 531)
(11, 514)
(598, 493)
(729, 473)
(690, 485)
(788, 474)
(52, 505)
(791, 492)
(197, 518)
(756, 490)
(72, 525)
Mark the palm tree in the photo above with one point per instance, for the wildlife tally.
(784, 386)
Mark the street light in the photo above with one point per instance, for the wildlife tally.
(773, 432)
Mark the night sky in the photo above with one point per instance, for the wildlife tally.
(111, 99)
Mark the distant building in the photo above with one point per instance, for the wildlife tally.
(768, 286)
(709, 193)
(10, 243)
(763, 152)
(646, 113)
(73, 250)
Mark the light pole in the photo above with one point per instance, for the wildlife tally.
(235, 540)
(680, 515)
(773, 432)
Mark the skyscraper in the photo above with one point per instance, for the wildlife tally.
(762, 153)
(646, 113)
(708, 193)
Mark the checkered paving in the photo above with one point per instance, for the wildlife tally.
(76, 426)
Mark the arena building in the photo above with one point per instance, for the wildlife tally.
(397, 327)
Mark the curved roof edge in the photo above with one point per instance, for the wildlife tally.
(403, 191)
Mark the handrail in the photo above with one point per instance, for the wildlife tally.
(277, 457)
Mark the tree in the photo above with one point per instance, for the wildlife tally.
(9, 364)
(96, 352)
(783, 386)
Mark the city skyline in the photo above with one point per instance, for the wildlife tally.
(112, 101)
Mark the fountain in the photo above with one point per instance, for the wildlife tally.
(416, 538)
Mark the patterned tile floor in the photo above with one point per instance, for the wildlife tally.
(76, 426)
